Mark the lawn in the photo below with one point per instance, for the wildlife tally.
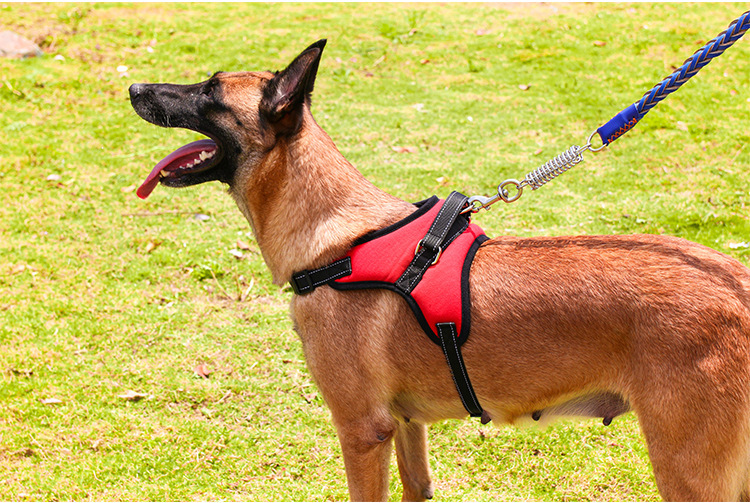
(145, 353)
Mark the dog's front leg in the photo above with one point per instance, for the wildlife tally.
(411, 453)
(366, 443)
(348, 357)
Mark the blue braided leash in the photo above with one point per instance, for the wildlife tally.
(621, 123)
(629, 117)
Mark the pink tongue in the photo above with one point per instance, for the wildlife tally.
(180, 157)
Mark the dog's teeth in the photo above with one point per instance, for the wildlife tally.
(206, 155)
(164, 172)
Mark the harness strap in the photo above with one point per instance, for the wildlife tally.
(448, 213)
(308, 280)
(431, 246)
(449, 343)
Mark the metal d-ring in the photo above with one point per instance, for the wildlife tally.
(437, 257)
(589, 144)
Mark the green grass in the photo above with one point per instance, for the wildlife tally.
(102, 293)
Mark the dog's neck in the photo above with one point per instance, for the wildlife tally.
(307, 204)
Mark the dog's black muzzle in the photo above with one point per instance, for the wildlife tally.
(168, 105)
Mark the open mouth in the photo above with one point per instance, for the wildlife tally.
(178, 167)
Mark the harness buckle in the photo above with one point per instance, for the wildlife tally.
(437, 257)
(302, 283)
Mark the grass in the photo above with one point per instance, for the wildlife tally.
(104, 296)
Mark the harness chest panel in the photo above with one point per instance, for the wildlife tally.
(426, 258)
(380, 259)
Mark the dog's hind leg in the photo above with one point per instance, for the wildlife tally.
(411, 453)
(700, 469)
(698, 442)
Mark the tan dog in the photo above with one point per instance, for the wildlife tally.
(654, 324)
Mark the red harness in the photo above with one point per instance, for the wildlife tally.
(442, 295)
(425, 258)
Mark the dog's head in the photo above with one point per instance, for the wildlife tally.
(243, 115)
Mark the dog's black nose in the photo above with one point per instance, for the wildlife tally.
(136, 90)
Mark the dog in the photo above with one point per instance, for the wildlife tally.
(588, 325)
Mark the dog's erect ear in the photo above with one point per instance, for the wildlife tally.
(290, 88)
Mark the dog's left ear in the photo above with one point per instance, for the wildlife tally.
(290, 89)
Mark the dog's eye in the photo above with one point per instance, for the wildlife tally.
(208, 89)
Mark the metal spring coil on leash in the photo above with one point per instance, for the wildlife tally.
(554, 167)
(534, 179)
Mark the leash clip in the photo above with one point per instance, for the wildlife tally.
(476, 203)
(504, 194)
(589, 145)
